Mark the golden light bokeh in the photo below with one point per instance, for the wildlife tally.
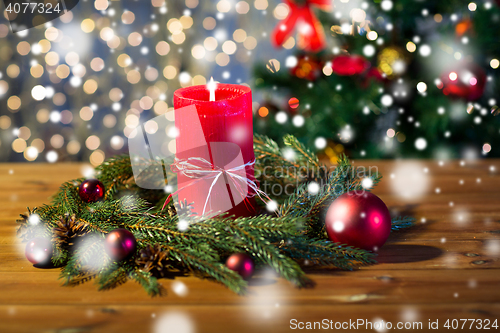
(128, 17)
(4, 87)
(23, 48)
(36, 71)
(239, 35)
(133, 76)
(66, 117)
(261, 4)
(62, 71)
(162, 48)
(198, 52)
(5, 122)
(250, 43)
(170, 72)
(72, 58)
(106, 33)
(86, 113)
(30, 153)
(210, 43)
(14, 103)
(57, 141)
(97, 64)
(13, 71)
(146, 103)
(87, 25)
(115, 94)
(242, 7)
(281, 11)
(222, 59)
(160, 107)
(93, 142)
(178, 37)
(124, 60)
(174, 25)
(43, 116)
(229, 47)
(38, 144)
(151, 74)
(44, 46)
(109, 121)
(134, 39)
(24, 133)
(52, 58)
(97, 157)
(209, 23)
(186, 21)
(19, 145)
(90, 86)
(73, 147)
(192, 3)
(59, 99)
(52, 34)
(101, 4)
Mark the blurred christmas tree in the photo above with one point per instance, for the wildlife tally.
(394, 79)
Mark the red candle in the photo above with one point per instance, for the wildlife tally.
(224, 118)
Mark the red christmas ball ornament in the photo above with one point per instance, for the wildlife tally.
(359, 219)
(467, 81)
(120, 244)
(91, 190)
(348, 65)
(39, 251)
(241, 264)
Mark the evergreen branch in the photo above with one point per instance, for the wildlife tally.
(216, 270)
(269, 254)
(400, 223)
(304, 153)
(112, 277)
(148, 282)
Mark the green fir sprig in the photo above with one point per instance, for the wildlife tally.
(292, 237)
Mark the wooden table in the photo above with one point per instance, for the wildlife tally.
(445, 268)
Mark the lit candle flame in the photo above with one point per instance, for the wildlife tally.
(211, 87)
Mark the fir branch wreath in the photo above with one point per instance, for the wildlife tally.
(286, 240)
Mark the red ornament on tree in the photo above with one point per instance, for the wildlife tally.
(358, 219)
(467, 80)
(91, 190)
(241, 264)
(348, 65)
(39, 251)
(120, 244)
(311, 36)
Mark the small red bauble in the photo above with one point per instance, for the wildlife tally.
(359, 219)
(348, 65)
(91, 190)
(39, 251)
(467, 81)
(120, 244)
(241, 264)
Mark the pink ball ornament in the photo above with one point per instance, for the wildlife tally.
(120, 244)
(241, 264)
(359, 219)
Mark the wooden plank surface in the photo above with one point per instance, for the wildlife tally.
(447, 267)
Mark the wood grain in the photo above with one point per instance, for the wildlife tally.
(446, 267)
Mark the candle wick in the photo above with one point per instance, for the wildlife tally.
(211, 87)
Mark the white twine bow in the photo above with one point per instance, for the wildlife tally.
(200, 169)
